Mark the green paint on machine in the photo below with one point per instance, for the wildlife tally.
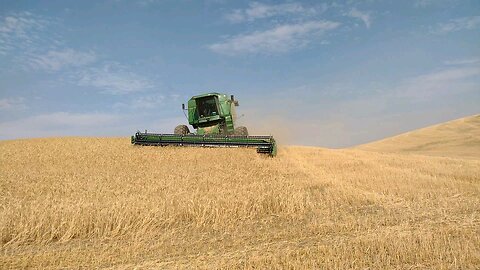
(213, 116)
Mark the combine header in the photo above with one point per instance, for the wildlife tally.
(213, 116)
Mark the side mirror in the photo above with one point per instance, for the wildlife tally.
(235, 102)
(183, 106)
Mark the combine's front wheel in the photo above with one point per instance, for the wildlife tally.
(181, 130)
(241, 131)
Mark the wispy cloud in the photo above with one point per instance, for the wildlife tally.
(279, 39)
(60, 124)
(423, 3)
(19, 24)
(85, 124)
(12, 104)
(145, 3)
(144, 102)
(20, 31)
(34, 42)
(65, 119)
(448, 75)
(113, 78)
(365, 17)
(446, 81)
(459, 24)
(56, 60)
(258, 10)
(429, 3)
(462, 62)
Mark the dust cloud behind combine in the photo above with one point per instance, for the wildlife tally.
(103, 203)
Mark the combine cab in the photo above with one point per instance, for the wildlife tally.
(213, 116)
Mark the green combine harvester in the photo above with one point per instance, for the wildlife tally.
(213, 116)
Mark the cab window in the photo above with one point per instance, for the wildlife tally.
(207, 106)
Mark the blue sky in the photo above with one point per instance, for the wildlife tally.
(324, 73)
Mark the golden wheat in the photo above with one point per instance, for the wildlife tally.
(103, 203)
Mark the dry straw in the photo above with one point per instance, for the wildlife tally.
(100, 202)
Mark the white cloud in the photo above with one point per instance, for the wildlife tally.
(145, 3)
(148, 102)
(260, 11)
(33, 43)
(145, 102)
(454, 25)
(429, 3)
(17, 25)
(279, 39)
(12, 104)
(423, 3)
(56, 60)
(361, 15)
(56, 124)
(59, 124)
(65, 119)
(114, 78)
(463, 62)
(448, 75)
(443, 82)
(19, 31)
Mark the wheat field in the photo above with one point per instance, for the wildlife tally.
(69, 203)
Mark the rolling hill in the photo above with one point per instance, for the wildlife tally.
(70, 203)
(457, 138)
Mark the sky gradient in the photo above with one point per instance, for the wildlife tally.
(322, 73)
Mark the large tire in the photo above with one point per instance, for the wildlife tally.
(241, 131)
(181, 130)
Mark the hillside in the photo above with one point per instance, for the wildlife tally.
(70, 203)
(457, 138)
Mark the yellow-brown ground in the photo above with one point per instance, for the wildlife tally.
(103, 203)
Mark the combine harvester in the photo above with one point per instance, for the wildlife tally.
(213, 116)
